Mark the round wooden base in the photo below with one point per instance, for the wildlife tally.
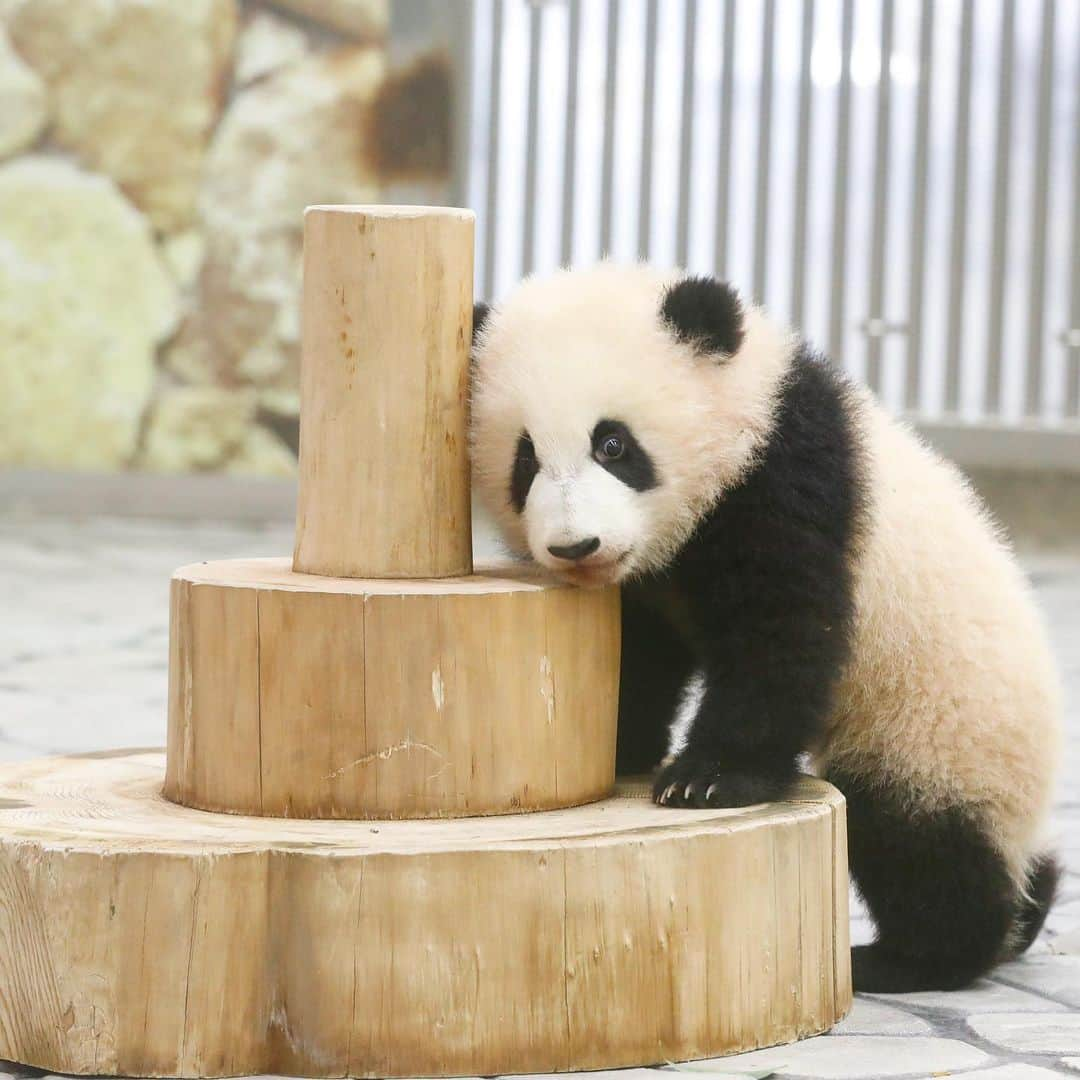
(148, 939)
(295, 695)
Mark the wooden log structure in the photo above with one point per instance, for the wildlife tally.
(148, 939)
(367, 726)
(387, 324)
(379, 678)
(303, 696)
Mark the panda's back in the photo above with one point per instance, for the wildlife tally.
(950, 689)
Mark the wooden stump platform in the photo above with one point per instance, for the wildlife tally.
(376, 719)
(144, 938)
(298, 695)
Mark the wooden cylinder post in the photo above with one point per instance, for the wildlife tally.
(387, 320)
(298, 695)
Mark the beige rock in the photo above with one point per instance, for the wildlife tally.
(84, 301)
(23, 102)
(283, 401)
(237, 333)
(197, 428)
(262, 454)
(184, 253)
(136, 88)
(267, 44)
(411, 133)
(368, 20)
(189, 355)
(297, 137)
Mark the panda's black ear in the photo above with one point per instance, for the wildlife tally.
(705, 313)
(480, 313)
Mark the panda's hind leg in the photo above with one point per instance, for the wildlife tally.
(939, 892)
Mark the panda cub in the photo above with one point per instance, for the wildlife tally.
(835, 587)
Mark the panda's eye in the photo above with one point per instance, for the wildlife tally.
(616, 449)
(611, 448)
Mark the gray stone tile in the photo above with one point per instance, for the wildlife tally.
(1065, 914)
(1067, 944)
(840, 1057)
(10, 752)
(1028, 1033)
(984, 997)
(1040, 947)
(869, 1017)
(1013, 1071)
(614, 1074)
(1057, 977)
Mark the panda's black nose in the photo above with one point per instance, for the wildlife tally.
(575, 551)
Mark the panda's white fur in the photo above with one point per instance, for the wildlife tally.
(950, 694)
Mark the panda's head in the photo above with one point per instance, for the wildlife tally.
(611, 407)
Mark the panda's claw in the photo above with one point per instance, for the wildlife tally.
(690, 782)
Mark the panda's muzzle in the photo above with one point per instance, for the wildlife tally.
(573, 552)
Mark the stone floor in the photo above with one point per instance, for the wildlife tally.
(83, 653)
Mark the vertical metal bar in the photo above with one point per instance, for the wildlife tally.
(686, 134)
(573, 53)
(723, 154)
(648, 126)
(916, 282)
(958, 242)
(492, 200)
(1072, 330)
(1033, 395)
(1000, 242)
(764, 152)
(876, 324)
(802, 168)
(532, 139)
(607, 180)
(462, 32)
(838, 288)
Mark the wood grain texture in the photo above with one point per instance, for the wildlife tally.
(144, 938)
(297, 695)
(387, 313)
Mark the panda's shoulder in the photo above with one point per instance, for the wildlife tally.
(807, 488)
(816, 438)
(815, 399)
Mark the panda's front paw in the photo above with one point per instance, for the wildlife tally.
(693, 782)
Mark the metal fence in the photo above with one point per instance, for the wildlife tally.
(900, 179)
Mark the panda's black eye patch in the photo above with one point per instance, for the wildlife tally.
(523, 472)
(615, 448)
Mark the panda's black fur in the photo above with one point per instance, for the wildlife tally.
(759, 602)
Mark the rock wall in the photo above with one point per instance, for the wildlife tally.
(155, 160)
